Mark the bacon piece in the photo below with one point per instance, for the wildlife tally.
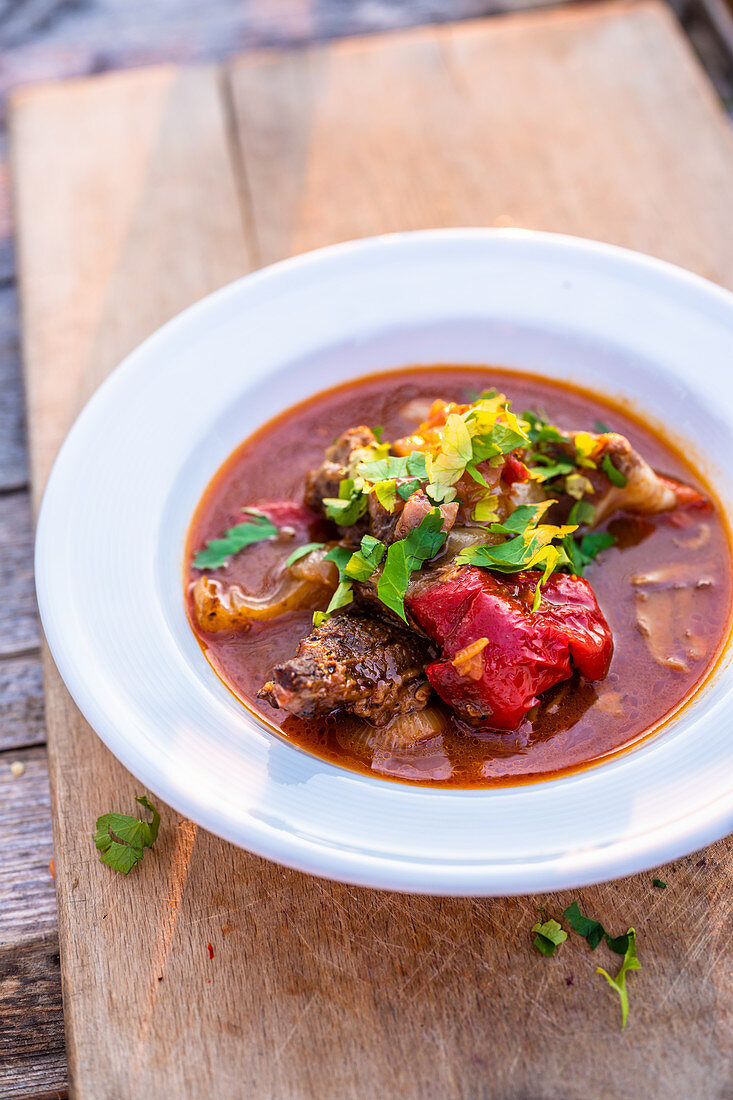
(526, 653)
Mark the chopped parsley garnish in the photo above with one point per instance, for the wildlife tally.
(614, 476)
(486, 395)
(378, 432)
(302, 551)
(549, 936)
(349, 506)
(592, 930)
(540, 431)
(218, 551)
(582, 551)
(659, 884)
(405, 556)
(365, 561)
(599, 426)
(407, 488)
(381, 469)
(529, 545)
(582, 512)
(122, 839)
(618, 983)
(344, 593)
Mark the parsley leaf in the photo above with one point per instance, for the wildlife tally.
(529, 545)
(386, 493)
(658, 883)
(405, 556)
(614, 476)
(344, 594)
(348, 507)
(416, 465)
(592, 930)
(540, 431)
(582, 551)
(218, 551)
(549, 936)
(407, 488)
(122, 839)
(582, 512)
(486, 395)
(383, 469)
(302, 551)
(351, 567)
(619, 982)
(365, 561)
(592, 544)
(599, 426)
(378, 432)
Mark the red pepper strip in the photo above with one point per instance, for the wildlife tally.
(527, 651)
(514, 470)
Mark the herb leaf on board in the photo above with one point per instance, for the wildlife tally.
(122, 839)
(549, 936)
(618, 983)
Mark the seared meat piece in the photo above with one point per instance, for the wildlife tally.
(381, 522)
(324, 481)
(357, 663)
(415, 511)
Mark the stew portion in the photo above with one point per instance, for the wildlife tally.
(458, 576)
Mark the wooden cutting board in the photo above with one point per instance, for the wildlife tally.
(136, 193)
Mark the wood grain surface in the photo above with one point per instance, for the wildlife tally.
(168, 183)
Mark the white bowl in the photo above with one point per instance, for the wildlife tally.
(121, 495)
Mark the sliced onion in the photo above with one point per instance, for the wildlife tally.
(313, 567)
(460, 538)
(403, 732)
(228, 607)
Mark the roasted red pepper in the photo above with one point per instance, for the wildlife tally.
(497, 655)
(514, 470)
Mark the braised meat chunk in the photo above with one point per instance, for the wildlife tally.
(324, 481)
(357, 663)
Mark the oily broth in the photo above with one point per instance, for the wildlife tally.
(577, 723)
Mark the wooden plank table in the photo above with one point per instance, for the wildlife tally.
(386, 993)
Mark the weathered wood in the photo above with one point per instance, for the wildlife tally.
(13, 470)
(54, 38)
(27, 896)
(533, 125)
(21, 703)
(317, 988)
(18, 614)
(32, 1059)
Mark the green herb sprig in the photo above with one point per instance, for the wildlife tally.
(407, 555)
(549, 936)
(618, 983)
(122, 839)
(592, 930)
(217, 552)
